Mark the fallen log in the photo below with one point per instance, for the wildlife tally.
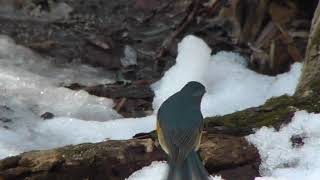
(116, 160)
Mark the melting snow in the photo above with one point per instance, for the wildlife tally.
(284, 160)
(156, 170)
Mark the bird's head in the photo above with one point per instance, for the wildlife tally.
(194, 89)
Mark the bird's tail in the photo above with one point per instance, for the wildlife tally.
(190, 169)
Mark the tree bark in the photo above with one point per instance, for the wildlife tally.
(309, 83)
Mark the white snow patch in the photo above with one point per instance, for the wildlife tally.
(130, 56)
(23, 60)
(78, 131)
(30, 86)
(280, 159)
(230, 85)
(216, 178)
(64, 131)
(34, 83)
(191, 64)
(269, 178)
(156, 171)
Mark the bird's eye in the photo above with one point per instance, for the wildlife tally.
(197, 93)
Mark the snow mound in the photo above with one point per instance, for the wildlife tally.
(191, 65)
(284, 157)
(156, 171)
(230, 85)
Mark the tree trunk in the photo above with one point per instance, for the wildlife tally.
(309, 83)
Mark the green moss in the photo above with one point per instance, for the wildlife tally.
(273, 117)
(310, 104)
(275, 111)
(82, 151)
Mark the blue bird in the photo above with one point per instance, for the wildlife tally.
(179, 130)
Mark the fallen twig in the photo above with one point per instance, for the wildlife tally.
(120, 104)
